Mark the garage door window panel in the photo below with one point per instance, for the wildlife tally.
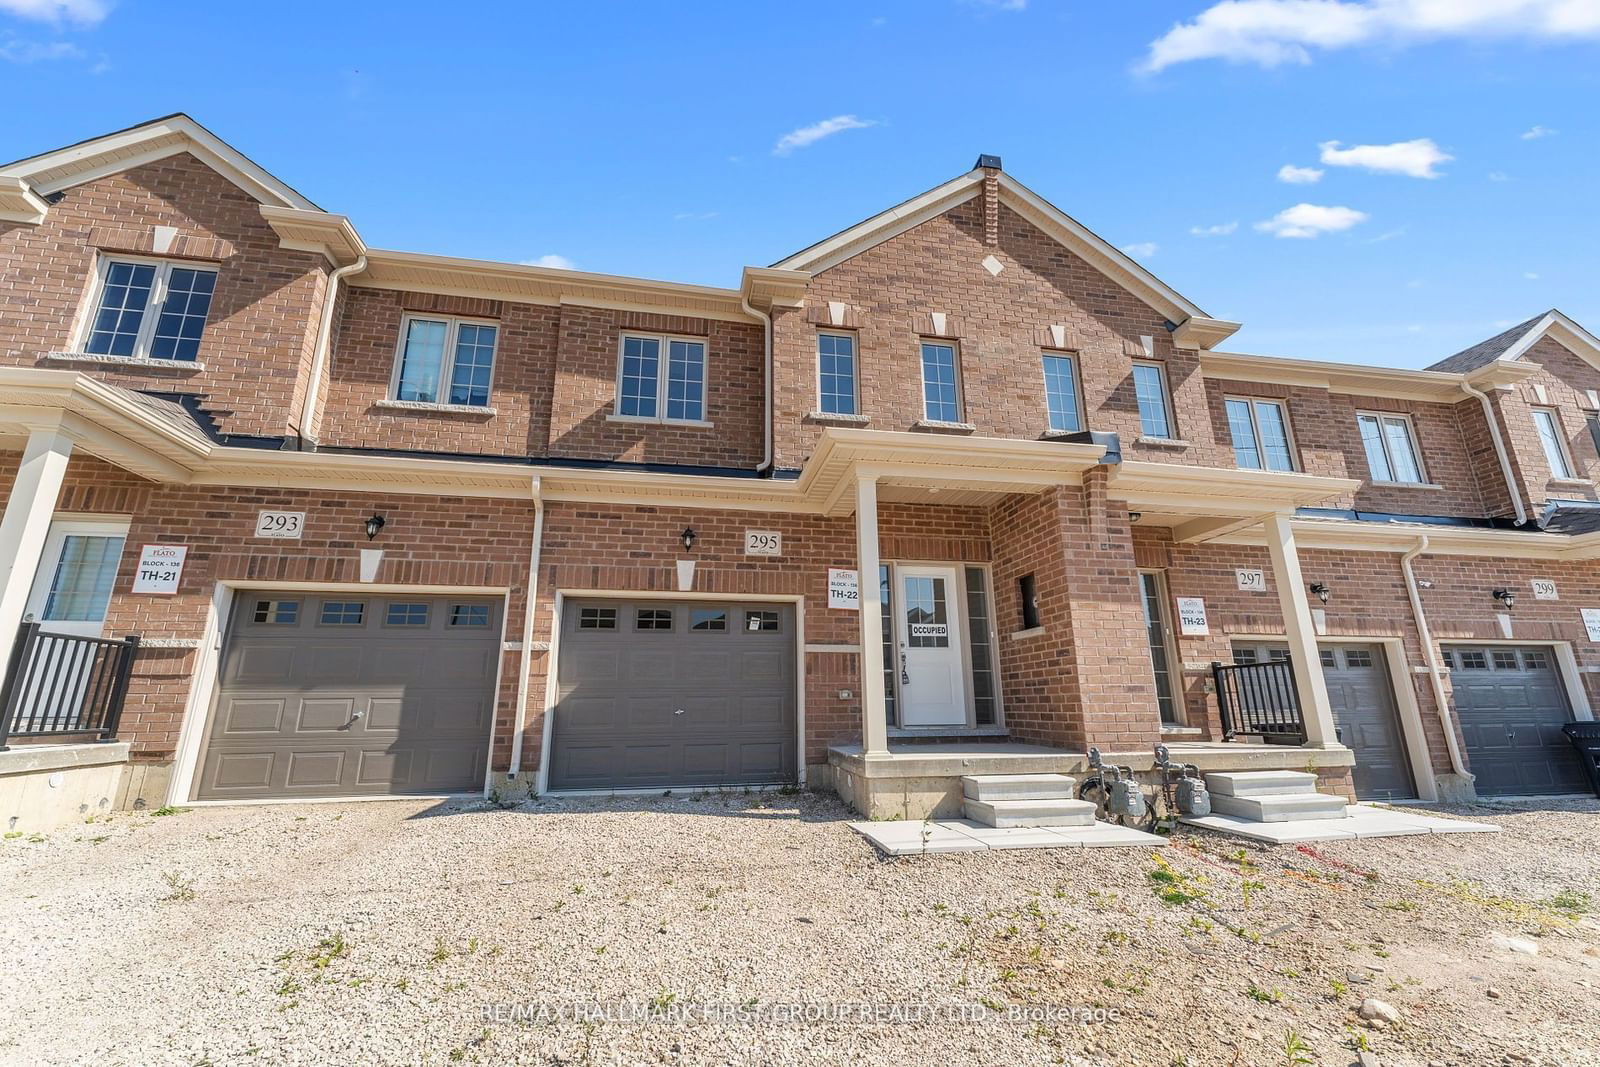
(763, 622)
(277, 612)
(469, 615)
(342, 613)
(708, 620)
(652, 619)
(597, 619)
(402, 613)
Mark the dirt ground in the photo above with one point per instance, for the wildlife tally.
(759, 929)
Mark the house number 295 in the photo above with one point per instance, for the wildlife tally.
(763, 543)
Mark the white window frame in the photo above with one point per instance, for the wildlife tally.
(1166, 400)
(855, 373)
(1255, 428)
(1077, 387)
(1567, 472)
(955, 368)
(1383, 439)
(447, 364)
(662, 376)
(152, 309)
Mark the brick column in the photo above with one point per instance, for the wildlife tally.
(1300, 633)
(874, 711)
(26, 524)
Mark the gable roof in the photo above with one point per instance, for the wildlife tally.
(1510, 344)
(1071, 233)
(62, 168)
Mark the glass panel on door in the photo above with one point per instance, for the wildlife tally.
(1156, 632)
(80, 588)
(927, 616)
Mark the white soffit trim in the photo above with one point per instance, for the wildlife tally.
(1428, 385)
(1560, 328)
(63, 168)
(19, 203)
(1347, 535)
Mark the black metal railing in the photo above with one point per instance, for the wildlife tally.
(1259, 700)
(64, 684)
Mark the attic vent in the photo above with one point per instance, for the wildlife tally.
(990, 162)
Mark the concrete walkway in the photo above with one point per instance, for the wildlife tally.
(1361, 821)
(913, 837)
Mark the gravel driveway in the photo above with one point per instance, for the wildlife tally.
(409, 932)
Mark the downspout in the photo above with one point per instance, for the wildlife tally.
(527, 633)
(1499, 450)
(319, 356)
(766, 346)
(1431, 655)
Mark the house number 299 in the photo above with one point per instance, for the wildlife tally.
(763, 543)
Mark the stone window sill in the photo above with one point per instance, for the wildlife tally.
(640, 420)
(1408, 485)
(434, 409)
(1023, 635)
(833, 417)
(126, 361)
(1056, 435)
(1573, 483)
(1180, 731)
(1161, 442)
(944, 427)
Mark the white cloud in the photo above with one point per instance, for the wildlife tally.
(1536, 132)
(1310, 220)
(1221, 229)
(552, 260)
(80, 12)
(1299, 175)
(1271, 33)
(998, 5)
(1530, 275)
(1416, 159)
(1499, 176)
(15, 51)
(1141, 249)
(694, 216)
(806, 136)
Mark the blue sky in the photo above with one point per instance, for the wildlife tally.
(1452, 142)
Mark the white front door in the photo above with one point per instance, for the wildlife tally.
(933, 689)
(73, 587)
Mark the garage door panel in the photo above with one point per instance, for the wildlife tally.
(288, 695)
(763, 711)
(1511, 703)
(763, 666)
(761, 760)
(707, 759)
(697, 666)
(596, 666)
(651, 666)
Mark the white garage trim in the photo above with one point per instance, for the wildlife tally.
(551, 687)
(208, 662)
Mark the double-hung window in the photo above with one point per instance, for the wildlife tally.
(836, 373)
(149, 309)
(1061, 393)
(1391, 448)
(662, 378)
(941, 395)
(1260, 431)
(1150, 390)
(1548, 423)
(445, 361)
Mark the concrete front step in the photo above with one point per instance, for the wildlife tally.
(1018, 787)
(1259, 783)
(1280, 807)
(1009, 813)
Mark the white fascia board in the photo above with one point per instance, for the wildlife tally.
(884, 225)
(1563, 330)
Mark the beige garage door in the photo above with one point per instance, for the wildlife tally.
(345, 694)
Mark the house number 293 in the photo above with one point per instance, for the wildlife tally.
(288, 525)
(763, 543)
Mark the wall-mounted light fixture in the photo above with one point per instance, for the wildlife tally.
(1134, 516)
(374, 524)
(1506, 597)
(1320, 591)
(687, 537)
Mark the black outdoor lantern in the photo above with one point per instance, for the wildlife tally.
(687, 537)
(374, 524)
(1506, 597)
(1321, 591)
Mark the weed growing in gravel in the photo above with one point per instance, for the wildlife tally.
(1401, 905)
(1248, 888)
(1173, 886)
(181, 888)
(12, 835)
(1296, 1052)
(330, 948)
(1339, 988)
(1573, 901)
(168, 809)
(440, 953)
(1264, 996)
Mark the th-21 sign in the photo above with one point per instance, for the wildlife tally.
(160, 568)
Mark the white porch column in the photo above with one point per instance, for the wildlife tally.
(25, 525)
(1301, 632)
(874, 712)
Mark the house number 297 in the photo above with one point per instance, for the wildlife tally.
(763, 543)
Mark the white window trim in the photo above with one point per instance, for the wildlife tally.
(152, 310)
(1166, 401)
(1383, 439)
(855, 375)
(447, 364)
(1570, 471)
(1169, 637)
(1255, 427)
(922, 376)
(662, 376)
(1077, 388)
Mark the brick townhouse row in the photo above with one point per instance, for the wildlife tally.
(394, 523)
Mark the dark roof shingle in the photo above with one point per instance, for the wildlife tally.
(1486, 352)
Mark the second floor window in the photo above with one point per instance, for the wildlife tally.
(941, 399)
(1548, 424)
(836, 373)
(1150, 390)
(446, 361)
(1260, 432)
(673, 393)
(1391, 448)
(1061, 393)
(150, 310)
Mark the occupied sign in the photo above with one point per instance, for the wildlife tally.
(160, 567)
